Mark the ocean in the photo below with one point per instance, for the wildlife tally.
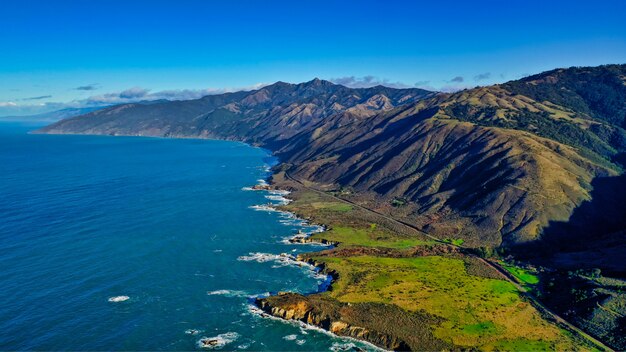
(129, 243)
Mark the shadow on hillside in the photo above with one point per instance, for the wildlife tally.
(593, 237)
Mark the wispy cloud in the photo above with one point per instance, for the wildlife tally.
(482, 76)
(15, 109)
(136, 94)
(129, 95)
(38, 97)
(367, 82)
(457, 79)
(92, 86)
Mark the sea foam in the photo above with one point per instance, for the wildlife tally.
(118, 299)
(218, 341)
(228, 293)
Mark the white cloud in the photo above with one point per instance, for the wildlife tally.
(129, 95)
(142, 94)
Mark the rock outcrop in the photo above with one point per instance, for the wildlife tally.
(326, 315)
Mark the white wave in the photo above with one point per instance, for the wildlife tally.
(278, 192)
(304, 328)
(248, 189)
(218, 341)
(262, 207)
(290, 337)
(280, 199)
(301, 342)
(301, 235)
(119, 299)
(228, 293)
(262, 182)
(286, 259)
(244, 346)
(293, 222)
(289, 216)
(336, 347)
(192, 331)
(267, 257)
(260, 295)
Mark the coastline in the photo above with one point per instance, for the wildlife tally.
(335, 327)
(260, 304)
(301, 238)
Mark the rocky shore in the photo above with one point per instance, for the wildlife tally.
(307, 239)
(321, 313)
(342, 319)
(328, 315)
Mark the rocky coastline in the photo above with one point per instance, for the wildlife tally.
(313, 310)
(325, 315)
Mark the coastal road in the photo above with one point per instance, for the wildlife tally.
(496, 266)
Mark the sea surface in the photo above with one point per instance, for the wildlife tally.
(129, 243)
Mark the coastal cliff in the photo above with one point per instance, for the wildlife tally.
(328, 315)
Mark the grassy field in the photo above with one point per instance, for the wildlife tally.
(349, 226)
(523, 275)
(370, 237)
(476, 311)
(458, 299)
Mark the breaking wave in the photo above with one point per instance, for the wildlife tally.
(118, 299)
(218, 341)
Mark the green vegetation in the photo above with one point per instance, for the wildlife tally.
(486, 327)
(474, 312)
(332, 206)
(523, 275)
(523, 345)
(451, 298)
(398, 202)
(455, 241)
(596, 91)
(350, 226)
(370, 237)
(543, 124)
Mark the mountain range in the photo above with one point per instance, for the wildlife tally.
(532, 167)
(494, 166)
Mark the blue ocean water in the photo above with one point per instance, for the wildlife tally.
(164, 222)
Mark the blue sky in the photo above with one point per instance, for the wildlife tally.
(74, 53)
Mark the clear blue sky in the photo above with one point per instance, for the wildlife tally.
(50, 48)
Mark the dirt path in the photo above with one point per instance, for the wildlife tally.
(505, 274)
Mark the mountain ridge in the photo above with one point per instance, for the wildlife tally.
(489, 165)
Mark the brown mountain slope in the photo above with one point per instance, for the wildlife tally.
(488, 165)
(485, 185)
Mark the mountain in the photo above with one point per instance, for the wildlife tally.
(494, 166)
(533, 167)
(288, 108)
(51, 116)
